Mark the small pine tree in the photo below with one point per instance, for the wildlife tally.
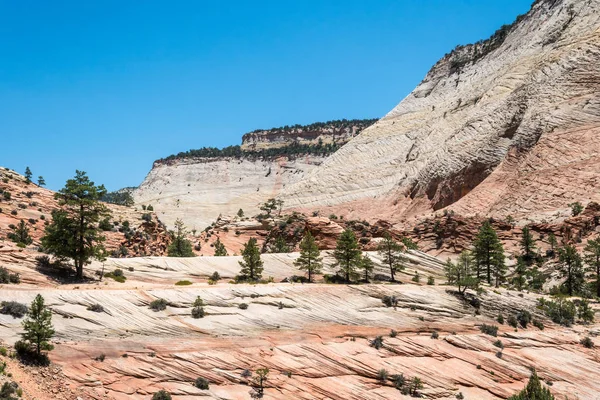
(28, 174)
(576, 208)
(367, 265)
(592, 259)
(553, 242)
(347, 254)
(180, 246)
(527, 246)
(309, 259)
(281, 245)
(41, 181)
(461, 272)
(220, 250)
(571, 267)
(252, 265)
(20, 234)
(489, 254)
(38, 326)
(269, 206)
(519, 279)
(391, 254)
(534, 390)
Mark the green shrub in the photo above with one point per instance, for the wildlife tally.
(201, 383)
(524, 318)
(389, 301)
(491, 330)
(159, 305)
(512, 321)
(198, 312)
(243, 306)
(162, 395)
(430, 280)
(3, 351)
(183, 283)
(560, 311)
(498, 343)
(393, 333)
(587, 342)
(500, 319)
(435, 335)
(17, 310)
(95, 308)
(377, 343)
(383, 375)
(538, 324)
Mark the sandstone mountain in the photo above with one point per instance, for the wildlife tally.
(506, 126)
(199, 185)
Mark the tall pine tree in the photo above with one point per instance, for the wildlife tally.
(391, 254)
(367, 265)
(592, 259)
(252, 265)
(488, 253)
(347, 255)
(74, 231)
(461, 272)
(571, 267)
(310, 256)
(180, 246)
(527, 245)
(220, 250)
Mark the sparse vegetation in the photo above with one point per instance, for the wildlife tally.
(201, 383)
(162, 395)
(491, 330)
(159, 304)
(13, 308)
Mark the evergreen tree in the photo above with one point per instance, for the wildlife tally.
(553, 243)
(367, 265)
(220, 250)
(252, 266)
(519, 278)
(488, 252)
(41, 181)
(20, 234)
(570, 266)
(534, 390)
(461, 272)
(527, 247)
(74, 231)
(269, 206)
(592, 259)
(310, 256)
(180, 246)
(347, 254)
(281, 246)
(28, 174)
(391, 254)
(38, 326)
(499, 265)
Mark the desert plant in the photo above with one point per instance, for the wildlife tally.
(13, 308)
(512, 321)
(435, 335)
(383, 375)
(95, 308)
(491, 330)
(377, 343)
(243, 306)
(587, 342)
(159, 305)
(201, 383)
(162, 395)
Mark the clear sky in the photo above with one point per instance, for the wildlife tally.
(109, 86)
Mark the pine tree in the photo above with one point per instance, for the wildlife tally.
(534, 390)
(281, 245)
(20, 234)
(74, 231)
(38, 326)
(347, 254)
(488, 252)
(220, 250)
(570, 266)
(592, 259)
(41, 181)
(269, 206)
(553, 243)
(498, 264)
(180, 246)
(391, 254)
(28, 175)
(461, 272)
(310, 256)
(519, 278)
(367, 265)
(252, 266)
(527, 247)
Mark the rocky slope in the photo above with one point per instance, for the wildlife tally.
(198, 188)
(508, 126)
(313, 338)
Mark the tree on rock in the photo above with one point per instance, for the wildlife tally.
(41, 181)
(534, 390)
(74, 231)
(28, 175)
(391, 254)
(252, 265)
(571, 267)
(592, 258)
(461, 273)
(38, 326)
(162, 395)
(180, 246)
(488, 253)
(347, 255)
(220, 250)
(269, 206)
(527, 246)
(367, 265)
(310, 256)
(20, 234)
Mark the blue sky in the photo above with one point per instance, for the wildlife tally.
(109, 86)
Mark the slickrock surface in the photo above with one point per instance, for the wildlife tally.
(199, 190)
(314, 338)
(497, 130)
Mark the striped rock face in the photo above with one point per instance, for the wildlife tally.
(509, 126)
